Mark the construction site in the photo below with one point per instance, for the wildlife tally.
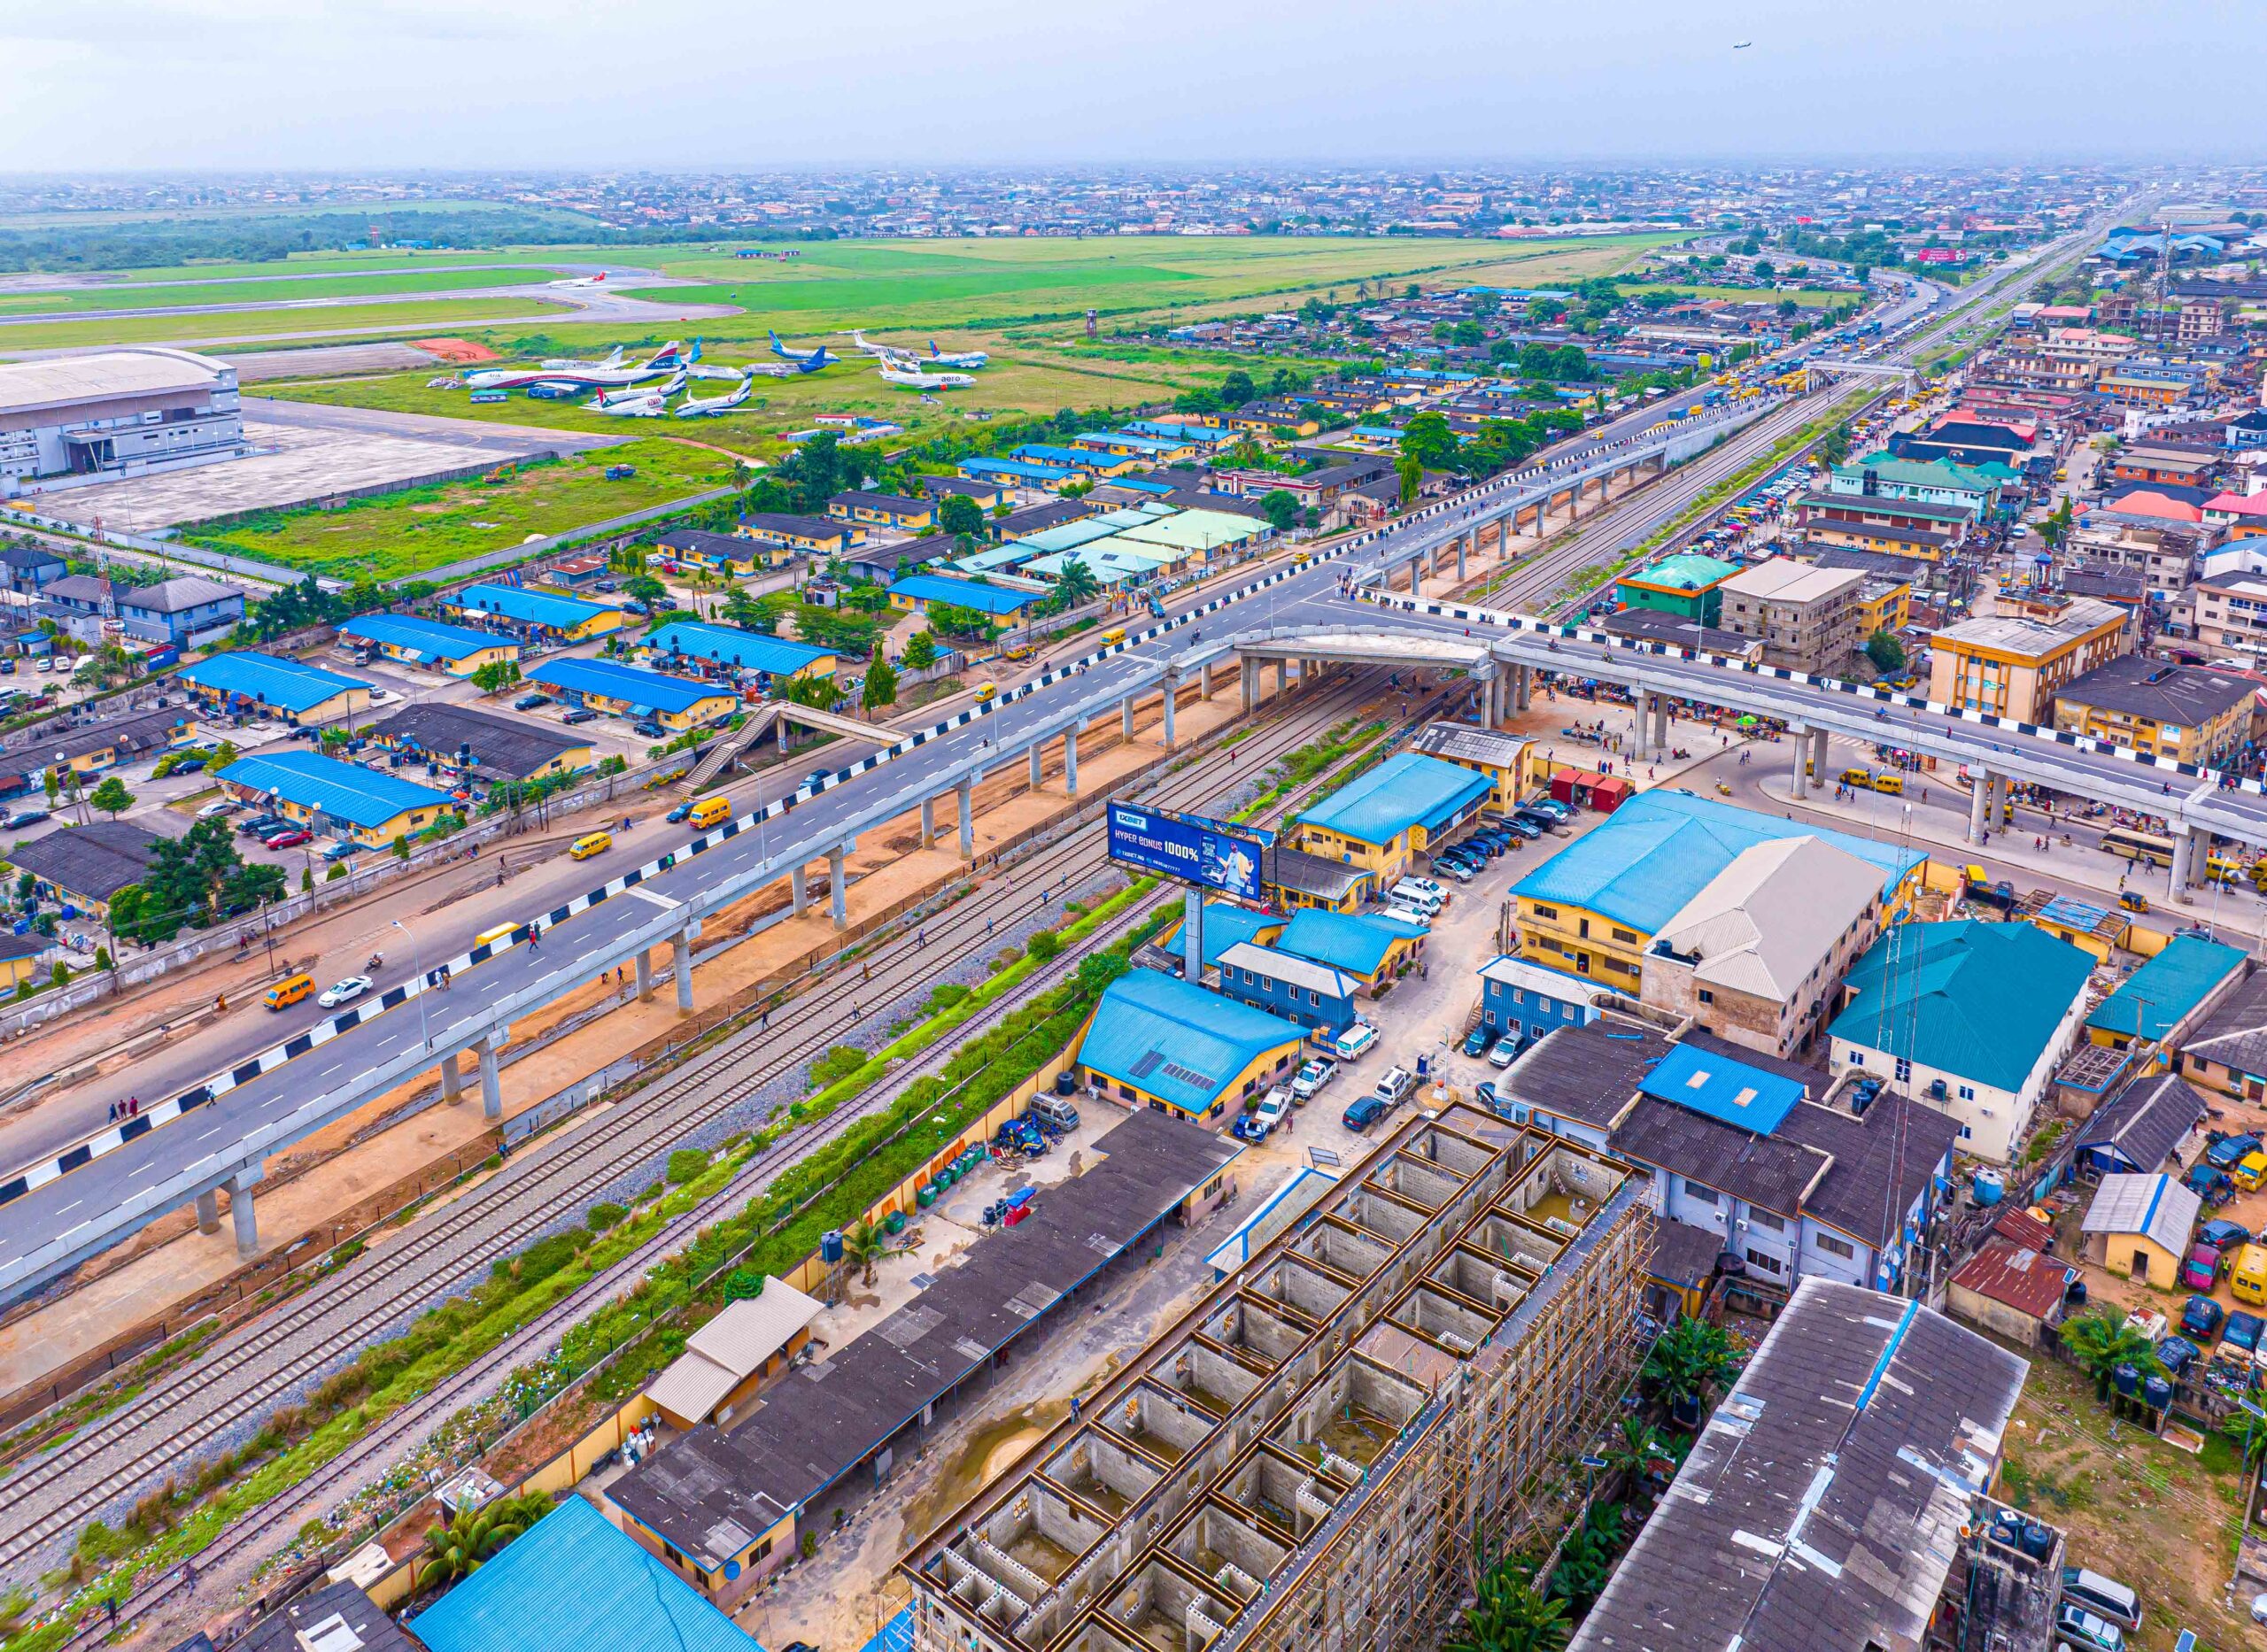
(1315, 1454)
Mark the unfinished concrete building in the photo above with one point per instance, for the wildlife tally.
(1307, 1458)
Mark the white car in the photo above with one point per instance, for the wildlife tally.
(1410, 914)
(1504, 1052)
(345, 992)
(1269, 1114)
(1355, 1041)
(213, 811)
(1311, 1079)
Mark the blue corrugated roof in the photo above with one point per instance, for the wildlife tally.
(432, 639)
(573, 1583)
(974, 468)
(1177, 1042)
(964, 593)
(1409, 790)
(284, 684)
(1722, 1088)
(361, 796)
(1643, 861)
(1979, 1000)
(643, 689)
(2155, 997)
(1226, 924)
(1344, 940)
(733, 645)
(532, 607)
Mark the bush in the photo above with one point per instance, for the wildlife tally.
(945, 995)
(547, 1256)
(685, 1164)
(602, 1217)
(837, 1064)
(1044, 946)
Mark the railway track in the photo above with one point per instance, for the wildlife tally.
(183, 1415)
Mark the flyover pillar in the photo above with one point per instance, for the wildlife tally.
(838, 885)
(1034, 766)
(1071, 760)
(1126, 719)
(1205, 681)
(241, 1213)
(1172, 694)
(681, 959)
(1248, 675)
(798, 885)
(208, 1211)
(2184, 858)
(2003, 807)
(1660, 723)
(1283, 666)
(1192, 936)
(966, 792)
(452, 1079)
(1818, 758)
(1525, 680)
(1802, 756)
(491, 1087)
(1459, 561)
(928, 821)
(1978, 785)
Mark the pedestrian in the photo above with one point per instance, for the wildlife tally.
(188, 1576)
(133, 1107)
(113, 1112)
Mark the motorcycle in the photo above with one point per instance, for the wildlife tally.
(376, 962)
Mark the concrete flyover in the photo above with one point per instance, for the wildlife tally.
(74, 1204)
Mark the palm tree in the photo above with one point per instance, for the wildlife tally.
(1077, 583)
(863, 1247)
(457, 1550)
(1510, 1617)
(1634, 1450)
(1689, 1359)
(2101, 1343)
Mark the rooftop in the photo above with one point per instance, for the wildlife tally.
(2186, 696)
(288, 685)
(1405, 790)
(532, 607)
(1687, 572)
(69, 380)
(93, 861)
(1288, 967)
(963, 593)
(360, 796)
(511, 748)
(2145, 1124)
(175, 596)
(2166, 989)
(2030, 638)
(2025, 1279)
(635, 686)
(1354, 942)
(1728, 1091)
(2157, 1208)
(1766, 923)
(1983, 1001)
(1783, 579)
(1467, 743)
(1176, 1041)
(733, 646)
(421, 638)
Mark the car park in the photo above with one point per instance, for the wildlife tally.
(1363, 1112)
(1260, 1123)
(1536, 818)
(2082, 1631)
(344, 991)
(1456, 869)
(1427, 895)
(259, 825)
(1310, 1078)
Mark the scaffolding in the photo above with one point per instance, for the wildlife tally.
(1313, 1454)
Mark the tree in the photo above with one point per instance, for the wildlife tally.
(1245, 453)
(2101, 1340)
(1886, 653)
(1587, 1560)
(1282, 507)
(111, 796)
(1469, 335)
(1237, 388)
(1411, 475)
(863, 1247)
(1427, 439)
(741, 609)
(1076, 585)
(2054, 531)
(1834, 446)
(960, 514)
(496, 676)
(921, 650)
(1688, 1359)
(881, 686)
(1198, 401)
(819, 693)
(223, 754)
(455, 1551)
(1510, 1617)
(647, 589)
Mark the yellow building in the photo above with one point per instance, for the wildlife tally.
(540, 613)
(729, 554)
(457, 649)
(1510, 762)
(368, 807)
(675, 703)
(1158, 1042)
(19, 959)
(2190, 713)
(2013, 664)
(1884, 605)
(1381, 821)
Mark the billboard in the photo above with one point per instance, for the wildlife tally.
(1188, 848)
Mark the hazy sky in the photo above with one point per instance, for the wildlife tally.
(169, 84)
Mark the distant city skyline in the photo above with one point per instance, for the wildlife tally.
(322, 84)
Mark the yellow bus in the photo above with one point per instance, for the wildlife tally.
(710, 812)
(2145, 847)
(501, 933)
(1114, 636)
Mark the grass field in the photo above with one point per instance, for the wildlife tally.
(1809, 298)
(377, 284)
(433, 316)
(402, 535)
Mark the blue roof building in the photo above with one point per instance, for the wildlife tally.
(1370, 947)
(256, 681)
(1158, 1041)
(457, 650)
(573, 1583)
(1017, 472)
(1971, 1017)
(2165, 993)
(1226, 924)
(739, 648)
(917, 591)
(324, 794)
(1719, 1088)
(1380, 821)
(569, 617)
(634, 691)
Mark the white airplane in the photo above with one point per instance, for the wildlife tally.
(606, 364)
(788, 353)
(890, 353)
(970, 358)
(635, 404)
(913, 380)
(697, 408)
(669, 358)
(611, 401)
(810, 363)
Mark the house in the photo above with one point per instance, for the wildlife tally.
(2226, 1052)
(2015, 665)
(1757, 956)
(989, 496)
(1382, 819)
(1578, 1078)
(572, 573)
(1974, 488)
(497, 747)
(572, 1582)
(80, 593)
(2167, 996)
(541, 614)
(2139, 1225)
(1503, 758)
(735, 649)
(26, 566)
(1975, 1017)
(1168, 1045)
(2184, 467)
(262, 685)
(735, 556)
(334, 1615)
(2240, 515)
(1686, 585)
(1652, 626)
(677, 703)
(1925, 530)
(891, 510)
(84, 866)
(1769, 1536)
(1524, 1001)
(1293, 878)
(180, 612)
(457, 650)
(22, 958)
(2152, 1125)
(1005, 605)
(1374, 949)
(325, 795)
(1807, 619)
(1288, 986)
(1022, 477)
(813, 536)
(106, 742)
(729, 1358)
(1595, 906)
(2013, 1286)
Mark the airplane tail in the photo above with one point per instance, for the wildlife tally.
(695, 356)
(933, 351)
(817, 359)
(778, 349)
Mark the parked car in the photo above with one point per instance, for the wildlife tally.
(2178, 1354)
(260, 825)
(1477, 1040)
(344, 849)
(580, 714)
(344, 991)
(1260, 1123)
(1394, 1087)
(1534, 817)
(1459, 870)
(2201, 1317)
(2081, 1631)
(1525, 828)
(648, 729)
(1312, 1078)
(1506, 1052)
(24, 817)
(1416, 915)
(530, 702)
(2243, 1331)
(2222, 1234)
(1363, 1112)
(213, 811)
(290, 837)
(2230, 1151)
(1355, 1042)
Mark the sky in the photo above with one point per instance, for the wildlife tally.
(174, 85)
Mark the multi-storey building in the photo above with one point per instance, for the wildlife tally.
(1313, 1456)
(2013, 662)
(1808, 618)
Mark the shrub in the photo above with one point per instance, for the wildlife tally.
(1045, 945)
(685, 1164)
(602, 1217)
(837, 1064)
(547, 1256)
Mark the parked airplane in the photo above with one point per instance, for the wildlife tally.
(882, 352)
(669, 359)
(793, 367)
(696, 407)
(617, 401)
(914, 380)
(612, 359)
(635, 405)
(956, 358)
(785, 353)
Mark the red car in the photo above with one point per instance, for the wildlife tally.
(288, 839)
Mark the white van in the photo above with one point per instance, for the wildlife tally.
(2104, 1597)
(1408, 894)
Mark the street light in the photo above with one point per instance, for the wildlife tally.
(417, 961)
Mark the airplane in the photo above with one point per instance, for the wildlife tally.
(1742, 45)
(792, 369)
(891, 353)
(697, 408)
(635, 404)
(612, 359)
(787, 354)
(913, 380)
(668, 358)
(957, 358)
(611, 401)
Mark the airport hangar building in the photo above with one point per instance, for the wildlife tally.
(117, 413)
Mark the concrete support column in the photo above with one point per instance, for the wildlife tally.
(1172, 695)
(1978, 785)
(798, 885)
(1283, 666)
(1818, 757)
(681, 957)
(1802, 755)
(2184, 857)
(928, 821)
(1192, 936)
(208, 1211)
(1459, 561)
(241, 1214)
(1247, 674)
(645, 958)
(2004, 807)
(1660, 723)
(491, 1087)
(966, 792)
(837, 887)
(1126, 718)
(452, 1077)
(1205, 681)
(1034, 768)
(1527, 687)
(1071, 761)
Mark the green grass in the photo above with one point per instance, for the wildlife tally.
(439, 315)
(380, 284)
(401, 535)
(1809, 298)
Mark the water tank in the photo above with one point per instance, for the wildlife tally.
(2156, 1394)
(1990, 1187)
(2038, 1541)
(830, 1246)
(2128, 1379)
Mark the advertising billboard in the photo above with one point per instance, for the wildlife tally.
(1188, 848)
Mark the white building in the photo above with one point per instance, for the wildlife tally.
(120, 413)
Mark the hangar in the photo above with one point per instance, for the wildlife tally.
(116, 414)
